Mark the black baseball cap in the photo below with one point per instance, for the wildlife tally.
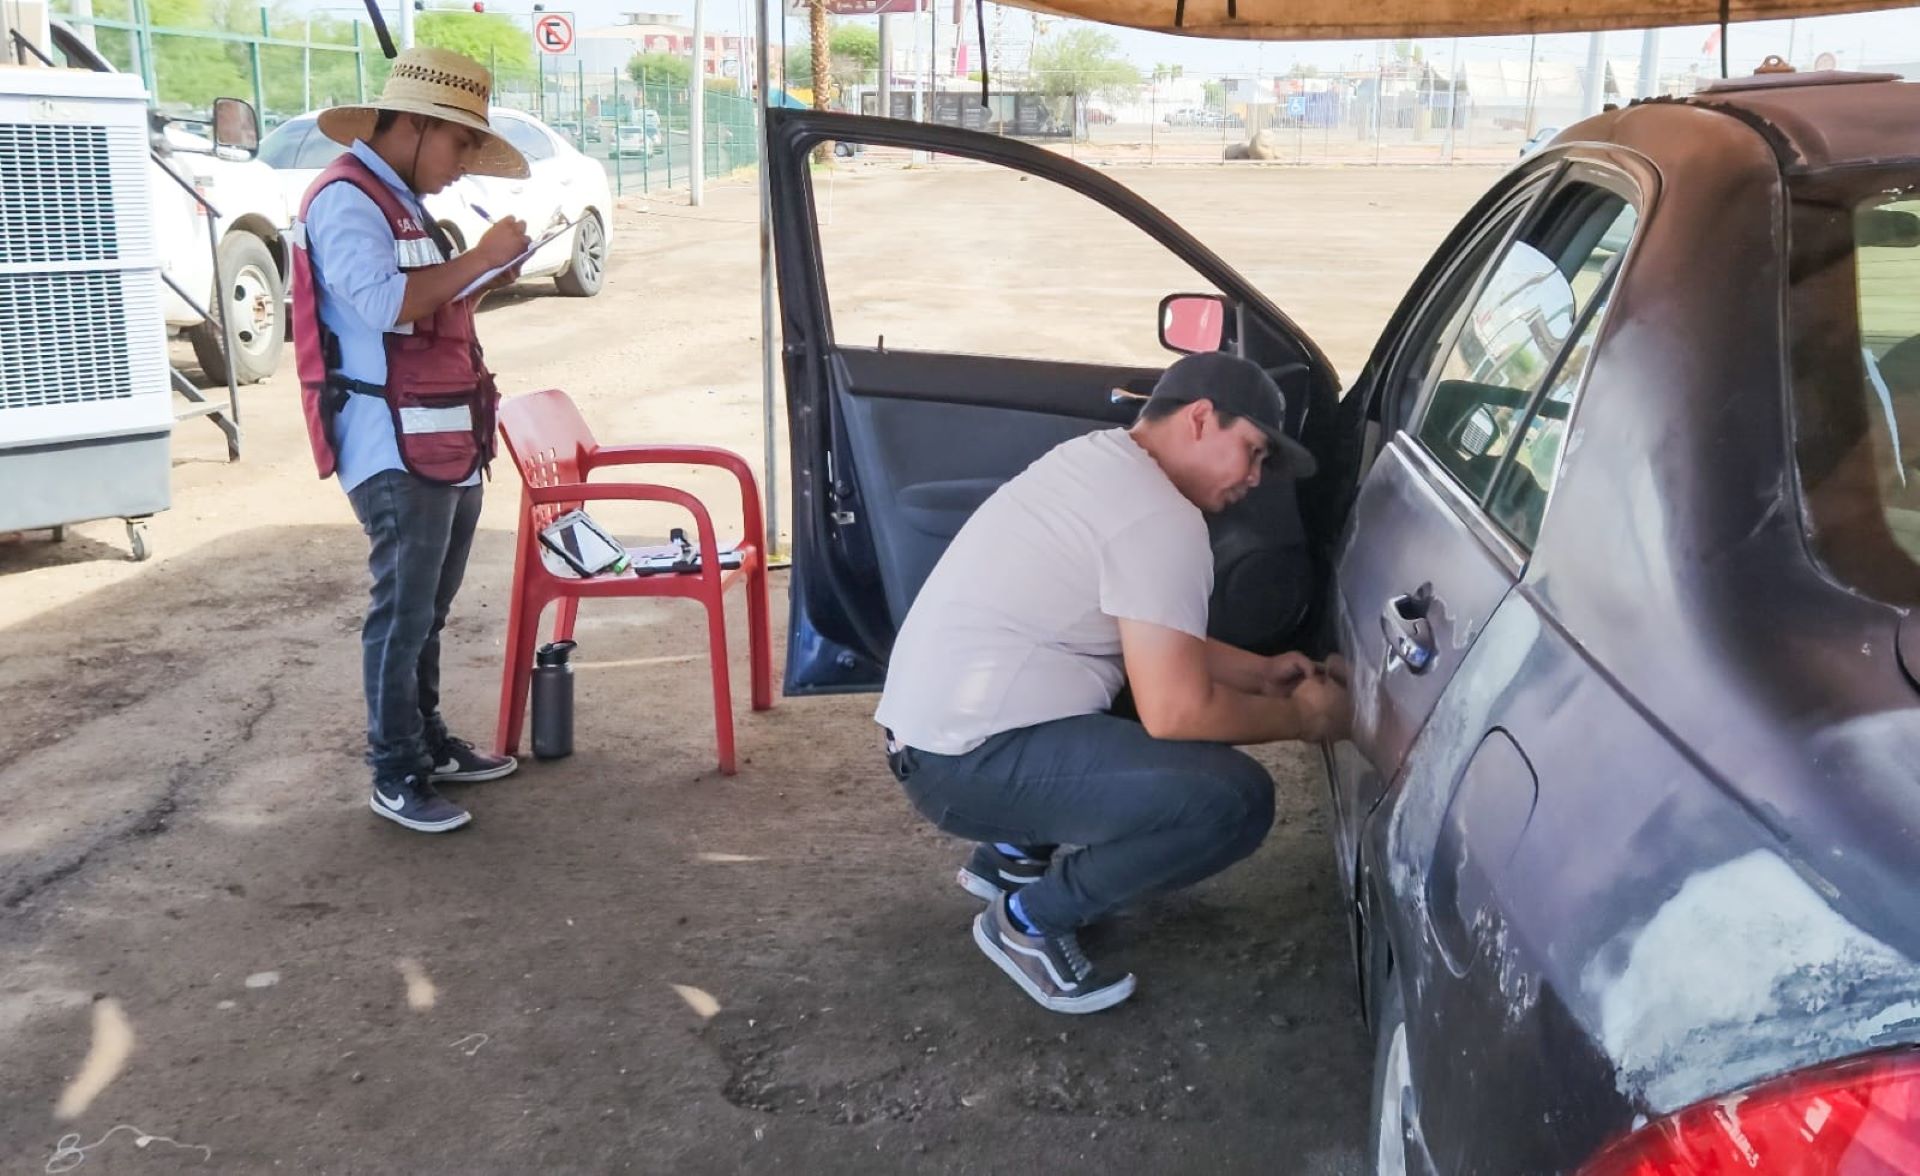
(1237, 386)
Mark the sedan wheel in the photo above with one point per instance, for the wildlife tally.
(1392, 1087)
(587, 272)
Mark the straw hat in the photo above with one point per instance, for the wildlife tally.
(439, 84)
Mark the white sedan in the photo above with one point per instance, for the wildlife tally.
(565, 185)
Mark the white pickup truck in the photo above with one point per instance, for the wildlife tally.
(252, 253)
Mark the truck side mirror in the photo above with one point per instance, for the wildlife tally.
(235, 125)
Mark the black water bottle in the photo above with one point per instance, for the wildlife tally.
(552, 701)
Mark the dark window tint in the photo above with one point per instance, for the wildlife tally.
(1854, 313)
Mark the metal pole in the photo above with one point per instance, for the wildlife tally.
(82, 22)
(886, 66)
(1649, 63)
(145, 42)
(306, 67)
(1379, 84)
(1453, 96)
(1532, 59)
(1596, 87)
(253, 54)
(770, 479)
(406, 24)
(619, 171)
(697, 117)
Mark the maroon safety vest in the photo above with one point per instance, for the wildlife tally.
(438, 389)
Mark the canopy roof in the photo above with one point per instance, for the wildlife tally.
(1361, 20)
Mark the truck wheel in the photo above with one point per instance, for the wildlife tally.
(584, 276)
(255, 298)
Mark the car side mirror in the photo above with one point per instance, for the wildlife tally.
(1191, 323)
(235, 125)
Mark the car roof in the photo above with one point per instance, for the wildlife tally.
(1812, 121)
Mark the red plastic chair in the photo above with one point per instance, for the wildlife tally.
(556, 455)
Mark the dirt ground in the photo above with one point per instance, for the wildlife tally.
(312, 990)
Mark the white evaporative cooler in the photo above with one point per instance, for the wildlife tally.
(86, 411)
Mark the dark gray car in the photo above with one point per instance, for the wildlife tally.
(1619, 531)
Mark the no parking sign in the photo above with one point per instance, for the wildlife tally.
(553, 32)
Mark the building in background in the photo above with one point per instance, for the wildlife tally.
(604, 50)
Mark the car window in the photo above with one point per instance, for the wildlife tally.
(282, 147)
(1439, 319)
(317, 151)
(986, 241)
(1517, 338)
(1854, 311)
(531, 140)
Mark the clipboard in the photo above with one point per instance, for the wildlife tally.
(539, 243)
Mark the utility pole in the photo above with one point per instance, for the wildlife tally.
(1453, 96)
(1650, 64)
(697, 116)
(83, 26)
(886, 66)
(406, 24)
(1595, 92)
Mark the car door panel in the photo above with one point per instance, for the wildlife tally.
(926, 439)
(1406, 532)
(893, 450)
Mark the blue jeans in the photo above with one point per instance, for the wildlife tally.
(421, 534)
(1152, 815)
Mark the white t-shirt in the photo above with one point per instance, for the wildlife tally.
(1018, 624)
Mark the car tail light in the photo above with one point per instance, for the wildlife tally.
(1859, 1117)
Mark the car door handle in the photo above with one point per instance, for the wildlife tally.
(1409, 634)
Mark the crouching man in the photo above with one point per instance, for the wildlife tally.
(1089, 571)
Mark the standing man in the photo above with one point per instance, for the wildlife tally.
(1089, 571)
(398, 399)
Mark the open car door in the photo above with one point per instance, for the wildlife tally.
(894, 448)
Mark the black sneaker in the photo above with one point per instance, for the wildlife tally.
(412, 802)
(460, 762)
(1051, 968)
(988, 874)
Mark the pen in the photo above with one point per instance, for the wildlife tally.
(484, 214)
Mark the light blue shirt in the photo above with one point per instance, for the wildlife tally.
(351, 247)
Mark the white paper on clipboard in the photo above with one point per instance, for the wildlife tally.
(539, 242)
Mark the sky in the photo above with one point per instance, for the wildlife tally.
(1867, 38)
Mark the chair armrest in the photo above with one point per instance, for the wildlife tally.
(707, 455)
(640, 492)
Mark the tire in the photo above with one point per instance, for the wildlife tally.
(254, 295)
(587, 272)
(1388, 1153)
(454, 235)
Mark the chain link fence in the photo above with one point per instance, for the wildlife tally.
(640, 131)
(1480, 103)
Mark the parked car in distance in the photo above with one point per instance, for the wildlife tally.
(1099, 117)
(1618, 532)
(1541, 138)
(642, 137)
(564, 184)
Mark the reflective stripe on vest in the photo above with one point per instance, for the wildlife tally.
(416, 253)
(416, 419)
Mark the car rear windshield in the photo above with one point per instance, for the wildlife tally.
(1854, 311)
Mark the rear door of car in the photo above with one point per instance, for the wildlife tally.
(895, 446)
(1471, 390)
